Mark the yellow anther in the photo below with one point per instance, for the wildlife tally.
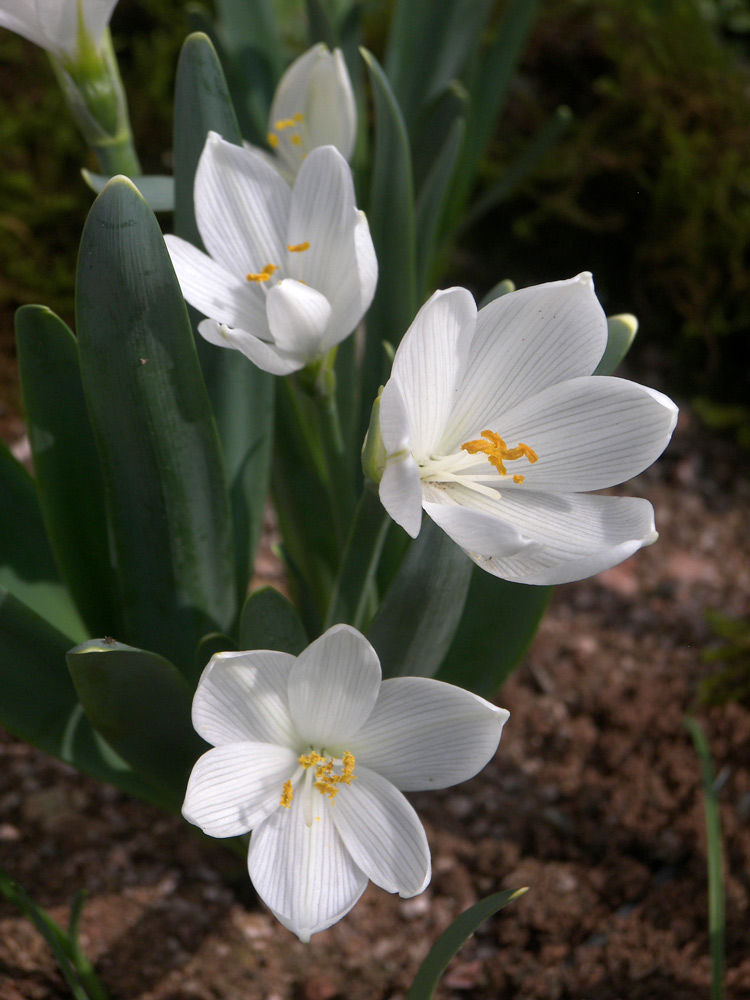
(295, 140)
(284, 123)
(287, 794)
(299, 117)
(273, 140)
(498, 452)
(326, 780)
(298, 247)
(263, 275)
(310, 760)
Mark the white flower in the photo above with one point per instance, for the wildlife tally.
(313, 106)
(492, 422)
(312, 754)
(289, 273)
(56, 25)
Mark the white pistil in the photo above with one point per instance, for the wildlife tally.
(454, 469)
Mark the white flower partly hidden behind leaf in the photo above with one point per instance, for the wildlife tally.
(62, 27)
(313, 754)
(289, 273)
(493, 423)
(313, 106)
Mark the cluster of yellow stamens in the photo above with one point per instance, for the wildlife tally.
(498, 452)
(325, 779)
(269, 269)
(283, 125)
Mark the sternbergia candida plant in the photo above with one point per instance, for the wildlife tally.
(313, 754)
(496, 422)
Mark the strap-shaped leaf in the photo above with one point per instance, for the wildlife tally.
(499, 621)
(269, 621)
(241, 394)
(155, 433)
(66, 463)
(391, 218)
(422, 608)
(141, 705)
(431, 203)
(27, 568)
(38, 702)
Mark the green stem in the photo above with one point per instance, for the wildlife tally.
(338, 473)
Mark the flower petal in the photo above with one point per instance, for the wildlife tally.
(576, 535)
(589, 433)
(243, 697)
(333, 687)
(525, 341)
(400, 487)
(212, 290)
(241, 207)
(323, 213)
(382, 833)
(298, 317)
(477, 530)
(267, 357)
(304, 874)
(331, 111)
(424, 734)
(428, 363)
(234, 787)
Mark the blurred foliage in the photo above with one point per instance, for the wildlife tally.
(650, 187)
(732, 681)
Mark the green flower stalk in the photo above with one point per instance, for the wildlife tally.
(76, 36)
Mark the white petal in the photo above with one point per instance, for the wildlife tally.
(212, 290)
(400, 487)
(243, 696)
(241, 207)
(525, 341)
(333, 687)
(589, 433)
(576, 535)
(324, 214)
(424, 734)
(267, 357)
(290, 105)
(331, 112)
(304, 875)
(26, 22)
(298, 317)
(478, 530)
(382, 833)
(233, 788)
(428, 363)
(96, 15)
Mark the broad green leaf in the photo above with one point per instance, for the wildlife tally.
(431, 202)
(419, 615)
(428, 45)
(38, 703)
(449, 942)
(157, 189)
(391, 218)
(141, 705)
(321, 27)
(621, 331)
(269, 621)
(168, 507)
(241, 394)
(66, 463)
(432, 130)
(27, 567)
(499, 621)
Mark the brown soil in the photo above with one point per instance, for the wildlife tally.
(593, 801)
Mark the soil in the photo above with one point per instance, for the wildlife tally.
(593, 801)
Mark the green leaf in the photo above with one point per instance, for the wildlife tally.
(431, 203)
(27, 568)
(621, 331)
(164, 480)
(419, 615)
(269, 621)
(157, 189)
(141, 705)
(449, 942)
(428, 45)
(38, 703)
(392, 225)
(241, 394)
(320, 26)
(499, 621)
(69, 482)
(432, 130)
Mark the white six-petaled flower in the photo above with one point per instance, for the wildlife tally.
(289, 273)
(56, 25)
(313, 106)
(313, 754)
(493, 423)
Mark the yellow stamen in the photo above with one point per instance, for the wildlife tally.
(273, 140)
(299, 117)
(263, 275)
(326, 780)
(298, 247)
(498, 452)
(310, 760)
(284, 123)
(287, 794)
